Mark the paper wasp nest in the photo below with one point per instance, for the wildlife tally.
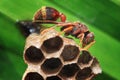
(50, 56)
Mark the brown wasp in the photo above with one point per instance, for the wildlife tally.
(45, 15)
(49, 15)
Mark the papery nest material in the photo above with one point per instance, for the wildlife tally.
(50, 56)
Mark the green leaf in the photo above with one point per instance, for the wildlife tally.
(101, 16)
(10, 35)
(11, 66)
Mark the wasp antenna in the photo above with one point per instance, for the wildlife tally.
(88, 46)
(46, 21)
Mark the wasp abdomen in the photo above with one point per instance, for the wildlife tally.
(46, 13)
(51, 14)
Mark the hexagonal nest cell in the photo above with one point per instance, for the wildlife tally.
(84, 74)
(71, 62)
(68, 70)
(53, 78)
(51, 65)
(33, 55)
(33, 76)
(52, 45)
(70, 50)
(85, 57)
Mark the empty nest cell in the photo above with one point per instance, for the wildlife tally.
(33, 55)
(52, 44)
(33, 76)
(84, 74)
(84, 58)
(70, 52)
(53, 78)
(69, 70)
(51, 65)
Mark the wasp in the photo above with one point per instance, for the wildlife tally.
(49, 15)
(45, 15)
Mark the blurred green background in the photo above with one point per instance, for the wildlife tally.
(101, 16)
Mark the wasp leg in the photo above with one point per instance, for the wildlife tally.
(88, 46)
(68, 24)
(53, 27)
(81, 36)
(46, 30)
(66, 30)
(47, 22)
